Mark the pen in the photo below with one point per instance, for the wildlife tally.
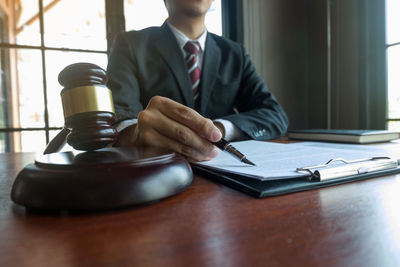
(226, 146)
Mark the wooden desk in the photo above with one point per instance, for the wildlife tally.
(356, 224)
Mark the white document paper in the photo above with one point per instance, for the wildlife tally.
(279, 161)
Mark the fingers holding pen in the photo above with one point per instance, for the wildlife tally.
(156, 129)
(189, 152)
(152, 137)
(188, 117)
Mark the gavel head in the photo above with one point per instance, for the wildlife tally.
(88, 107)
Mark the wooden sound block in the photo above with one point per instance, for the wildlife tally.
(102, 179)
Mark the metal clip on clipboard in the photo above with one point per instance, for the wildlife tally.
(329, 170)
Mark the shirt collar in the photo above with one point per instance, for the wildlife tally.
(183, 39)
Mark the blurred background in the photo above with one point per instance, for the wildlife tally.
(332, 64)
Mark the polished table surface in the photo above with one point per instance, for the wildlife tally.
(356, 224)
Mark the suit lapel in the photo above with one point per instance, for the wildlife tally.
(169, 49)
(211, 62)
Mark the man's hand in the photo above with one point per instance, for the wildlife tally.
(167, 124)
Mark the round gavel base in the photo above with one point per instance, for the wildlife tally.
(101, 180)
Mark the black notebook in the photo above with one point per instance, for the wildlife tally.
(344, 136)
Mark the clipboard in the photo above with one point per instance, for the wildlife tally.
(333, 172)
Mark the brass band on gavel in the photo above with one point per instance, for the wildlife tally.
(86, 99)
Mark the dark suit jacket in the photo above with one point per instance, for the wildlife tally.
(146, 63)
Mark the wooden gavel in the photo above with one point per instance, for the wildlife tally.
(88, 109)
(104, 178)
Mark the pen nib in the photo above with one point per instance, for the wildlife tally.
(248, 162)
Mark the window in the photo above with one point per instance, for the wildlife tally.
(38, 38)
(393, 62)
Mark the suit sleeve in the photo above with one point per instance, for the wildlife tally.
(260, 115)
(122, 79)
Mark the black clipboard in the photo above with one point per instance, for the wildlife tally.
(260, 189)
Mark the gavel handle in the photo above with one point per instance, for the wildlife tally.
(58, 142)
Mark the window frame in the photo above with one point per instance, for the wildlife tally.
(4, 82)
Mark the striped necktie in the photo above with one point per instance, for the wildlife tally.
(193, 48)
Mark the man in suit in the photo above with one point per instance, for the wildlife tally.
(184, 96)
